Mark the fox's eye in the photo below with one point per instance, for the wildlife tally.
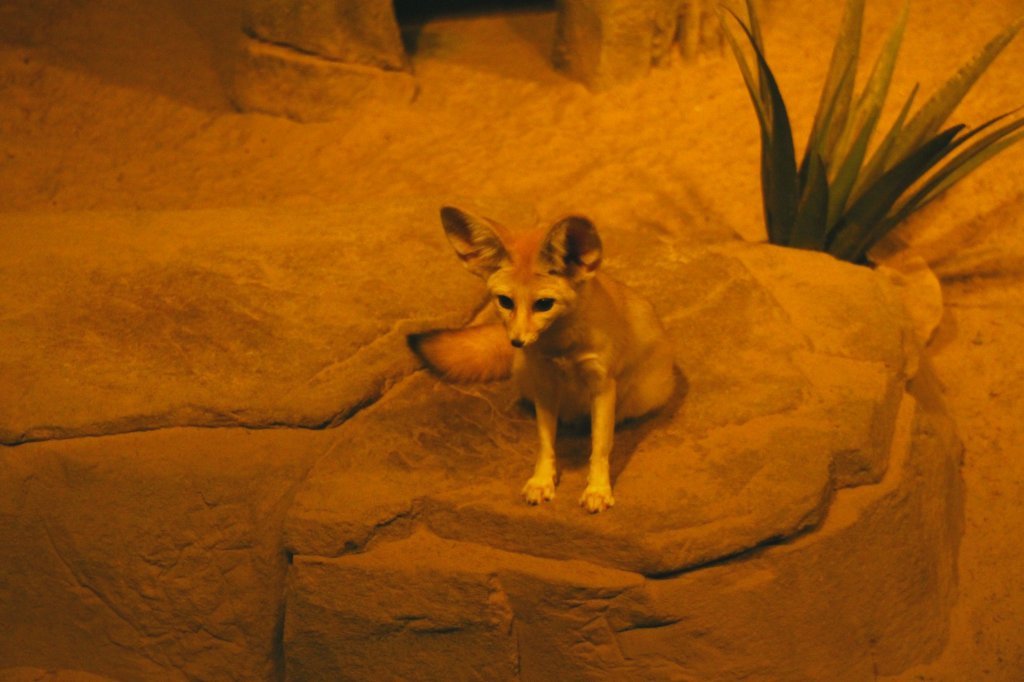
(505, 302)
(542, 305)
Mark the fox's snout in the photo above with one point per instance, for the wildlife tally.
(522, 329)
(522, 340)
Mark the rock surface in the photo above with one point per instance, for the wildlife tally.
(784, 400)
(126, 321)
(26, 674)
(428, 606)
(792, 442)
(309, 59)
(70, 71)
(352, 31)
(607, 43)
(276, 80)
(734, 506)
(149, 556)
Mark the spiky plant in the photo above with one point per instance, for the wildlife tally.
(839, 199)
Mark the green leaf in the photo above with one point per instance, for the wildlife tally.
(872, 97)
(972, 159)
(862, 225)
(753, 88)
(842, 184)
(937, 109)
(963, 163)
(880, 159)
(809, 229)
(755, 26)
(837, 93)
(757, 40)
(818, 146)
(779, 186)
(834, 201)
(851, 147)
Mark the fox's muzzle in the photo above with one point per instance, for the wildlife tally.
(522, 340)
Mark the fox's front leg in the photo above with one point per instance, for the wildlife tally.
(541, 486)
(598, 494)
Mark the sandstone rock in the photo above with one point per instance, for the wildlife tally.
(606, 43)
(149, 556)
(762, 495)
(862, 595)
(310, 59)
(766, 489)
(392, 623)
(920, 290)
(24, 674)
(351, 31)
(785, 401)
(125, 321)
(277, 80)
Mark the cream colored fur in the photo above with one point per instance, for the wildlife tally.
(583, 344)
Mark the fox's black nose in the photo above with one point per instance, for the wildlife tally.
(518, 343)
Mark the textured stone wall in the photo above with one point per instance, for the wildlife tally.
(804, 463)
(808, 464)
(307, 59)
(604, 43)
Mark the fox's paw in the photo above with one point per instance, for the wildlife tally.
(539, 489)
(597, 498)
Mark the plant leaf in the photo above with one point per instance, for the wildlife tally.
(880, 159)
(753, 88)
(863, 224)
(818, 146)
(972, 159)
(937, 109)
(842, 185)
(779, 187)
(809, 228)
(872, 97)
(963, 163)
(755, 26)
(837, 92)
(851, 147)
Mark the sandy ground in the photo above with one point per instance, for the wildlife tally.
(113, 104)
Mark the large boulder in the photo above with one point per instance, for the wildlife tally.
(149, 556)
(352, 31)
(803, 464)
(126, 321)
(794, 473)
(278, 80)
(605, 43)
(793, 370)
(308, 59)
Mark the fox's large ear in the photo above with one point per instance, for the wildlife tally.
(573, 248)
(474, 240)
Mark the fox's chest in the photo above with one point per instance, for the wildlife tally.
(571, 374)
(583, 368)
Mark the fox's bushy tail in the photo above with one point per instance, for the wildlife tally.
(473, 354)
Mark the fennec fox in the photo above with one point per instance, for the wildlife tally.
(577, 342)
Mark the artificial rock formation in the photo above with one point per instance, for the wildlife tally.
(149, 556)
(792, 514)
(306, 59)
(795, 474)
(604, 43)
(141, 321)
